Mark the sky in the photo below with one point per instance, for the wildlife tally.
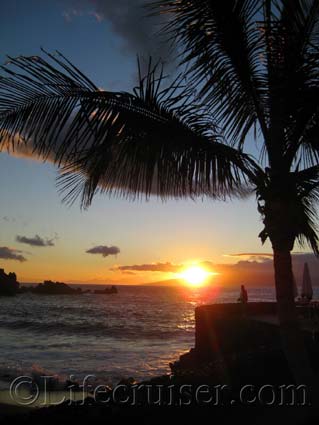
(115, 240)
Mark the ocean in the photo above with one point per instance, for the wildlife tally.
(135, 333)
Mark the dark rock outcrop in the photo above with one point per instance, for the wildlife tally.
(111, 290)
(8, 283)
(55, 288)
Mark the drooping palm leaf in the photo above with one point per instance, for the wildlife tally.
(154, 140)
(304, 207)
(257, 63)
(38, 101)
(298, 193)
(307, 183)
(293, 79)
(222, 43)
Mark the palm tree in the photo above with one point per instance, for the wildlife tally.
(252, 66)
(256, 65)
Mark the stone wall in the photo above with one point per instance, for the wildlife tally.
(232, 328)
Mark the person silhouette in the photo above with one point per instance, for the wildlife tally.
(243, 297)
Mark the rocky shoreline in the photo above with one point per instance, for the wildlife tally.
(9, 286)
(245, 353)
(178, 401)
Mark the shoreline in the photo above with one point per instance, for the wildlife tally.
(248, 353)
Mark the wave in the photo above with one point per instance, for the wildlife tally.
(96, 329)
(37, 376)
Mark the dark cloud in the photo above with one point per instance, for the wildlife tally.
(132, 21)
(177, 268)
(139, 31)
(156, 267)
(35, 241)
(11, 254)
(104, 250)
(251, 254)
(260, 271)
(9, 219)
(257, 270)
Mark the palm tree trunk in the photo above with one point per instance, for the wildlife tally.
(291, 335)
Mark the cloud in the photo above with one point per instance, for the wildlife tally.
(104, 250)
(35, 241)
(153, 267)
(250, 254)
(69, 14)
(8, 219)
(20, 149)
(97, 16)
(73, 13)
(177, 268)
(256, 271)
(11, 254)
(131, 21)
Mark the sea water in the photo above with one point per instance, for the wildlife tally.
(135, 333)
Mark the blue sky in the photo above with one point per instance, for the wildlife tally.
(145, 232)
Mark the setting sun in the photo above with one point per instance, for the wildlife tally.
(195, 275)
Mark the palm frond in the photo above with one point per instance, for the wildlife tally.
(289, 207)
(154, 140)
(292, 31)
(222, 43)
(178, 154)
(307, 183)
(306, 227)
(256, 63)
(38, 102)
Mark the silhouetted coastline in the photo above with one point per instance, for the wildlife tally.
(9, 286)
(49, 287)
(52, 288)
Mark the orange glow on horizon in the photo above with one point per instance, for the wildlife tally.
(195, 275)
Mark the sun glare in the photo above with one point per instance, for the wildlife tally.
(195, 275)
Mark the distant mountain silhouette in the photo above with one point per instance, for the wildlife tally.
(169, 282)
